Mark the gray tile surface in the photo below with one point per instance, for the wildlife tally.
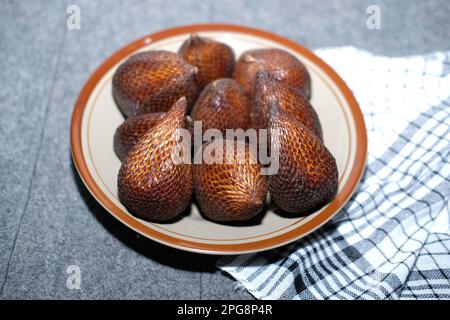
(28, 60)
(48, 219)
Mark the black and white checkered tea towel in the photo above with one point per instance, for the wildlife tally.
(392, 239)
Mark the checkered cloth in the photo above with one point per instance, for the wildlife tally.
(392, 239)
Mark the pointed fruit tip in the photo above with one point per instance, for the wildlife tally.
(273, 104)
(249, 58)
(194, 39)
(261, 74)
(180, 105)
(274, 109)
(263, 77)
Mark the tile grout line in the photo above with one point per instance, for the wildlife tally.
(41, 138)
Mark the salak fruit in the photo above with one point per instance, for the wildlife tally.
(151, 184)
(152, 81)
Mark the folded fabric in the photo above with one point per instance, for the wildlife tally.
(392, 239)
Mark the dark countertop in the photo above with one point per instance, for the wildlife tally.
(48, 219)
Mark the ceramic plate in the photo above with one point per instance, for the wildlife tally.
(96, 117)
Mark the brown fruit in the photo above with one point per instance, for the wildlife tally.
(131, 130)
(153, 81)
(134, 128)
(307, 176)
(232, 191)
(287, 98)
(222, 105)
(151, 185)
(213, 59)
(282, 65)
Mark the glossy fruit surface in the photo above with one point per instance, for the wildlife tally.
(213, 59)
(280, 64)
(151, 185)
(152, 81)
(232, 191)
(131, 130)
(268, 89)
(222, 105)
(307, 175)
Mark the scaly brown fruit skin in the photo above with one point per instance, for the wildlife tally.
(131, 130)
(307, 175)
(134, 128)
(150, 184)
(153, 81)
(222, 105)
(231, 192)
(283, 66)
(213, 59)
(268, 89)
